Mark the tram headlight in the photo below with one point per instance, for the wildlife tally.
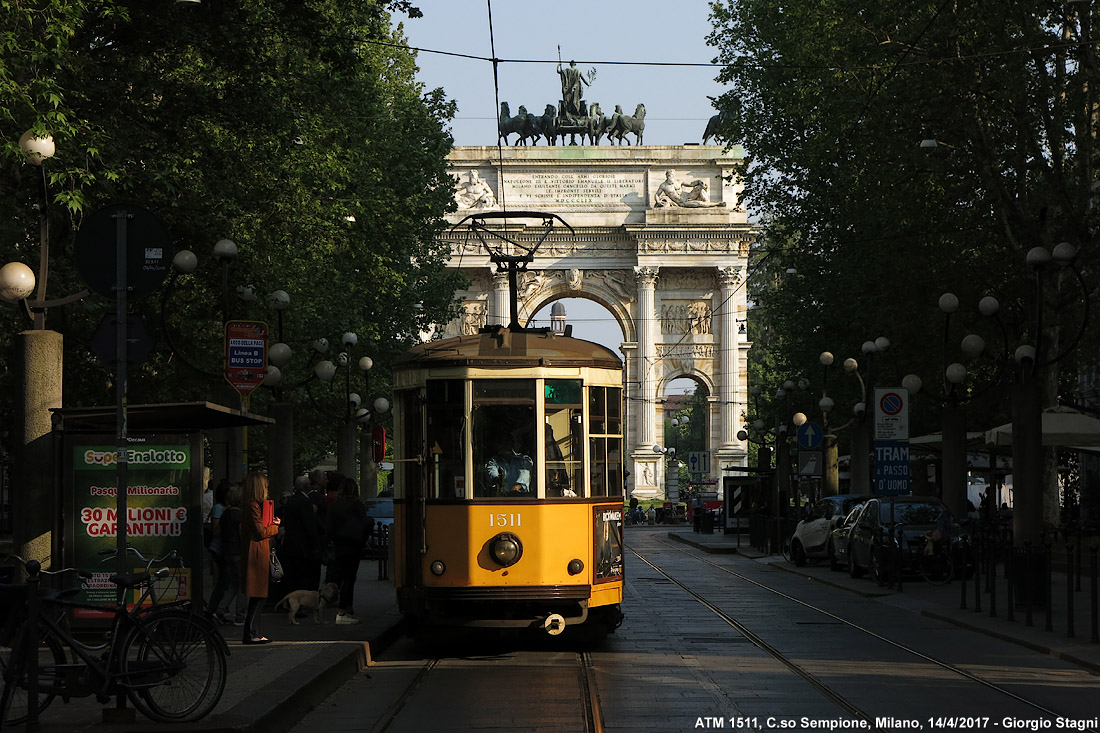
(505, 549)
(437, 567)
(575, 567)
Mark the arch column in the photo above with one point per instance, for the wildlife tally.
(499, 307)
(729, 278)
(647, 354)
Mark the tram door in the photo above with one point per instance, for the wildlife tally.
(413, 483)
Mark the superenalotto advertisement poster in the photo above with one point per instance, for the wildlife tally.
(161, 514)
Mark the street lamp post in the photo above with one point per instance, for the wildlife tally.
(1027, 399)
(40, 363)
(953, 470)
(353, 415)
(185, 263)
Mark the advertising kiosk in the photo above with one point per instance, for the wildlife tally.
(164, 493)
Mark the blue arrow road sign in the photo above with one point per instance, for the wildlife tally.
(809, 435)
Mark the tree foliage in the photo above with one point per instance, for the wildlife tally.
(293, 128)
(865, 228)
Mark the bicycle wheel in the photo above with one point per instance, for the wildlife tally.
(173, 667)
(51, 655)
(785, 549)
(938, 568)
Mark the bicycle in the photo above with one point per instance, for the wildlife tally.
(920, 555)
(168, 660)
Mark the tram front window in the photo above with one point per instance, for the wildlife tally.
(504, 438)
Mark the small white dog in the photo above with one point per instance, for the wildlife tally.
(309, 600)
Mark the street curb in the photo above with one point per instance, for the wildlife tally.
(302, 689)
(711, 549)
(1041, 648)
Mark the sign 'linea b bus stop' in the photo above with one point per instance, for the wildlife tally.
(245, 355)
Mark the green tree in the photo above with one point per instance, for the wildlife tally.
(832, 100)
(298, 130)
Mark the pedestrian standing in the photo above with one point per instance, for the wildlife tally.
(255, 554)
(229, 539)
(300, 545)
(348, 529)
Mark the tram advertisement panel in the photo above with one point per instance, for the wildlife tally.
(609, 543)
(159, 514)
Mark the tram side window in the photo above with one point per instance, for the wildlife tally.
(605, 436)
(503, 425)
(564, 457)
(446, 438)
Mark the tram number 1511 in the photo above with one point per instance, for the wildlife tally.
(505, 520)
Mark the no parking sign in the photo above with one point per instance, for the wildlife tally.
(892, 413)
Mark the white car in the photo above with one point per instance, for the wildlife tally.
(812, 536)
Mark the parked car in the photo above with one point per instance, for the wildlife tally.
(886, 519)
(811, 535)
(838, 539)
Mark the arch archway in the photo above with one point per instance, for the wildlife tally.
(671, 277)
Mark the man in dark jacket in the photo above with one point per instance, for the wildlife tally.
(300, 549)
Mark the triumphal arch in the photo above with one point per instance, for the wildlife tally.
(660, 241)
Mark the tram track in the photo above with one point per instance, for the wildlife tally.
(805, 674)
(591, 711)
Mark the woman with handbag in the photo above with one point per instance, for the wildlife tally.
(347, 526)
(256, 554)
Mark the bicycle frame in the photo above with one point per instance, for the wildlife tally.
(125, 623)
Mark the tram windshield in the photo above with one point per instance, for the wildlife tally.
(502, 420)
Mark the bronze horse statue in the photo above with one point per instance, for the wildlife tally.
(523, 125)
(547, 125)
(714, 127)
(597, 124)
(620, 125)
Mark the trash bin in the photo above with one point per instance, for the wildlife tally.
(708, 523)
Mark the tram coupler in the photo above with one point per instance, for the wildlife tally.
(553, 624)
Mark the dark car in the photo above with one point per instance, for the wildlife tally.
(883, 521)
(811, 536)
(838, 539)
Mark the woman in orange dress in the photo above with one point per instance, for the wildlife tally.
(255, 554)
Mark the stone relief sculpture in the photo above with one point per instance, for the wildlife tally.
(700, 314)
(473, 317)
(531, 282)
(684, 318)
(574, 280)
(692, 195)
(617, 282)
(475, 193)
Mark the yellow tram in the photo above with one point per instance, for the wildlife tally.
(509, 481)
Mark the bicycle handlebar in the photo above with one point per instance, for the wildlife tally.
(33, 568)
(149, 562)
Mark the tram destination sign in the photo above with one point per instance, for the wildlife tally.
(245, 354)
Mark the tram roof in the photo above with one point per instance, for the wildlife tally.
(503, 348)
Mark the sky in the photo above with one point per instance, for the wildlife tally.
(675, 97)
(620, 41)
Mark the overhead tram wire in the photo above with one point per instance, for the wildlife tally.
(496, 99)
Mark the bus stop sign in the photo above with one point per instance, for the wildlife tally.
(245, 355)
